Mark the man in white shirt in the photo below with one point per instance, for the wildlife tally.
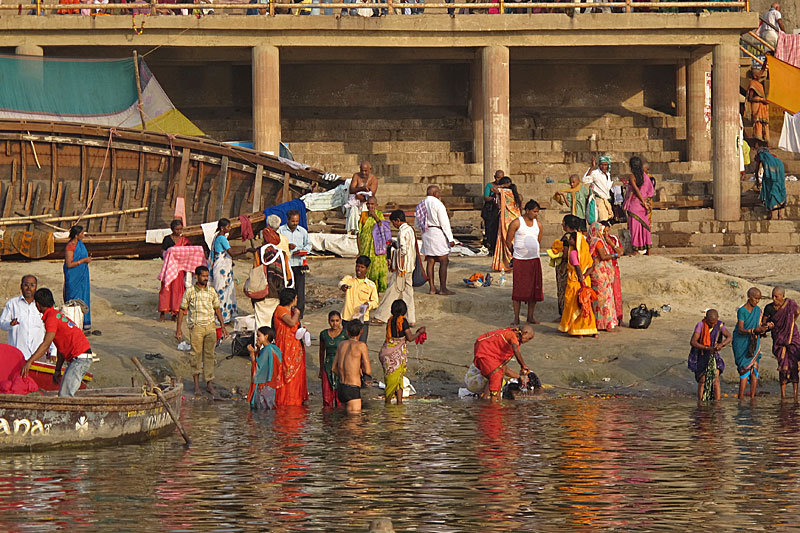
(773, 17)
(599, 179)
(401, 283)
(299, 246)
(23, 321)
(437, 238)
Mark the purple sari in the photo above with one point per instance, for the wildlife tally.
(638, 221)
(786, 341)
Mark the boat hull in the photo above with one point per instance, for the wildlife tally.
(94, 418)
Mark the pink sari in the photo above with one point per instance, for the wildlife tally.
(638, 223)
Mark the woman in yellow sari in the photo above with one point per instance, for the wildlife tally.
(509, 202)
(370, 224)
(394, 353)
(573, 320)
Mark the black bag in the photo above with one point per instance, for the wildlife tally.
(640, 317)
(240, 343)
(419, 277)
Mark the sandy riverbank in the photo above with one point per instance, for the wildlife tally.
(125, 295)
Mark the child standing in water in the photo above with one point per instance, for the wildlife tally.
(265, 370)
(329, 340)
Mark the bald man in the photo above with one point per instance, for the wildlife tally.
(709, 337)
(747, 342)
(437, 238)
(363, 184)
(494, 350)
(769, 32)
(780, 317)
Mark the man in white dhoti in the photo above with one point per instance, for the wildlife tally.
(401, 285)
(362, 185)
(599, 179)
(437, 237)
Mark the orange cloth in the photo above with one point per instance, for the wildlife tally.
(705, 335)
(784, 80)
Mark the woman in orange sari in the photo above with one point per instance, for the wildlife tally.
(170, 296)
(285, 322)
(759, 108)
(509, 202)
(574, 321)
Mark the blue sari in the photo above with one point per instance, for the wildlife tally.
(773, 186)
(745, 347)
(76, 282)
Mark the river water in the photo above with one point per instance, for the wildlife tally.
(618, 463)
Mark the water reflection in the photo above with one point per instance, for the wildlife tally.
(433, 466)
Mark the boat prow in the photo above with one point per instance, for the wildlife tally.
(93, 418)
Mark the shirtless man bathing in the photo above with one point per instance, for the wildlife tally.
(351, 362)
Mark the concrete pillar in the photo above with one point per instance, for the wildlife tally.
(725, 121)
(698, 135)
(680, 89)
(496, 124)
(29, 50)
(476, 107)
(266, 99)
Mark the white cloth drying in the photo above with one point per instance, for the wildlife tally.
(790, 133)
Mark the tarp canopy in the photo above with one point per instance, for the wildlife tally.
(89, 91)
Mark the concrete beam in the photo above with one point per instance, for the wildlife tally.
(430, 30)
(496, 114)
(725, 121)
(266, 99)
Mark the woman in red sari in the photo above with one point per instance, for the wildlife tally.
(170, 296)
(286, 321)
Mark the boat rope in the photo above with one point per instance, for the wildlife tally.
(150, 392)
(111, 133)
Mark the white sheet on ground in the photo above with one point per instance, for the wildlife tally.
(341, 245)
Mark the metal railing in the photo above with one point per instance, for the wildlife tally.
(272, 7)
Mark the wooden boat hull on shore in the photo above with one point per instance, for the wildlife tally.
(58, 169)
(93, 418)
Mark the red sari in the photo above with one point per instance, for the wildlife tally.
(294, 390)
(170, 296)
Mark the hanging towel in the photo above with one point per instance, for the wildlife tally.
(209, 229)
(246, 227)
(282, 209)
(788, 48)
(790, 134)
(381, 234)
(421, 217)
(784, 79)
(180, 209)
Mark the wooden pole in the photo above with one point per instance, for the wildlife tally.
(164, 401)
(138, 86)
(51, 218)
(257, 188)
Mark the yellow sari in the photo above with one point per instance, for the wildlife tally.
(572, 320)
(509, 212)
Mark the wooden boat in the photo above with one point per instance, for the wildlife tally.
(94, 417)
(126, 181)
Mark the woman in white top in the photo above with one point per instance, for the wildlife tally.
(525, 238)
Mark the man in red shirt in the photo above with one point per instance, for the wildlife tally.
(494, 350)
(70, 343)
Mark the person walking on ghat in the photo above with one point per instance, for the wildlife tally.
(401, 284)
(437, 237)
(525, 238)
(201, 305)
(70, 342)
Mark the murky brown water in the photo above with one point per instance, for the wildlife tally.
(438, 466)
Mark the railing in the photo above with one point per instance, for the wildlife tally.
(390, 6)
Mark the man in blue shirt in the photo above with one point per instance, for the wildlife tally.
(299, 246)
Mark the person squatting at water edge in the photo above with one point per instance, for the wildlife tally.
(351, 365)
(494, 350)
(394, 353)
(709, 338)
(780, 317)
(265, 370)
(747, 342)
(201, 304)
(70, 343)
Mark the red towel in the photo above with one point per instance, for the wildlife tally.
(247, 228)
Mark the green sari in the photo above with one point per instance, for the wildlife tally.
(378, 270)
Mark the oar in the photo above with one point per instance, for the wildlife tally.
(164, 401)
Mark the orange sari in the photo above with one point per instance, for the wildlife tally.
(294, 389)
(509, 211)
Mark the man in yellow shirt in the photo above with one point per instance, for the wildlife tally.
(360, 296)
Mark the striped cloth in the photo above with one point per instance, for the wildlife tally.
(181, 258)
(788, 48)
